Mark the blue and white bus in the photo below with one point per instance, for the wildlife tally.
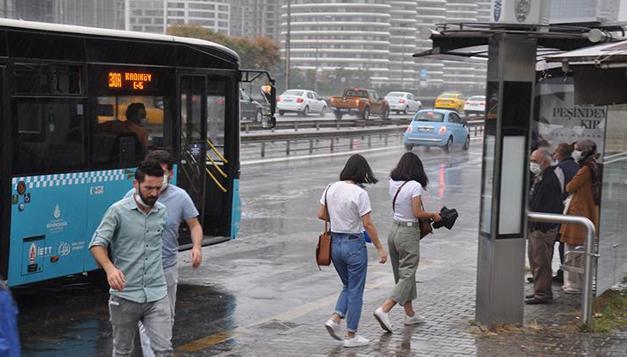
(68, 151)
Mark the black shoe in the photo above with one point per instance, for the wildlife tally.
(559, 277)
(537, 301)
(530, 279)
(529, 296)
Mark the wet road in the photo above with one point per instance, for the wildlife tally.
(266, 279)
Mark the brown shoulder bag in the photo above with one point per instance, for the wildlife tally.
(425, 224)
(323, 249)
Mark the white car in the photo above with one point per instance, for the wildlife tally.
(403, 102)
(475, 105)
(301, 101)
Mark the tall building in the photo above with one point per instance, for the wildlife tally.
(7, 9)
(430, 13)
(157, 15)
(332, 35)
(252, 18)
(462, 75)
(403, 44)
(94, 13)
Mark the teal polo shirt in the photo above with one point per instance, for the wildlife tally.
(135, 241)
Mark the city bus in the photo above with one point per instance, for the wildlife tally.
(71, 136)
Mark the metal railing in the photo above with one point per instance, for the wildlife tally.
(586, 300)
(292, 138)
(322, 123)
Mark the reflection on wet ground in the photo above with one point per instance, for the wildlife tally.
(247, 283)
(69, 317)
(262, 294)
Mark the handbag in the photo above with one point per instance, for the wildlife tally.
(567, 203)
(323, 249)
(449, 216)
(423, 223)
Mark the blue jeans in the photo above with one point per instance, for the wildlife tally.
(350, 260)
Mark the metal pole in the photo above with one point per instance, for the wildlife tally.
(586, 299)
(288, 39)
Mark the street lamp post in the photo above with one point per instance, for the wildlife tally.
(316, 70)
(288, 44)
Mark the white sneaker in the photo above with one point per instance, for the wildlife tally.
(413, 320)
(384, 319)
(356, 341)
(334, 329)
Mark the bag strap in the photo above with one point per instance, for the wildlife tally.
(327, 225)
(396, 195)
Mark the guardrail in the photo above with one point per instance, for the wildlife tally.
(306, 123)
(315, 135)
(586, 299)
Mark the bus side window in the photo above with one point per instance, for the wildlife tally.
(126, 127)
(49, 136)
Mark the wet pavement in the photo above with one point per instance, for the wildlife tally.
(262, 294)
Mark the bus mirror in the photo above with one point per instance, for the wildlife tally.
(269, 92)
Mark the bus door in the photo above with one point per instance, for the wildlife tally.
(193, 148)
(208, 152)
(222, 206)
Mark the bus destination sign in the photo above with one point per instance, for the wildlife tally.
(137, 81)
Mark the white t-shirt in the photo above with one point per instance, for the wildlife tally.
(404, 211)
(347, 203)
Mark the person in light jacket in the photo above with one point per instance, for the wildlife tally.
(585, 198)
(347, 207)
(408, 182)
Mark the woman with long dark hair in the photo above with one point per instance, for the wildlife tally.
(585, 198)
(347, 207)
(408, 181)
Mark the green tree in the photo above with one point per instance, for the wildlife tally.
(255, 53)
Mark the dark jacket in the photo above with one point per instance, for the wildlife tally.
(569, 167)
(545, 196)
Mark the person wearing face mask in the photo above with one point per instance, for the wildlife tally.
(585, 191)
(545, 196)
(132, 228)
(565, 169)
(180, 208)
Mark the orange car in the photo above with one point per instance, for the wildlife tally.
(450, 100)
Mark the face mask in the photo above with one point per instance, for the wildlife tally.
(577, 155)
(165, 182)
(535, 168)
(139, 200)
(151, 202)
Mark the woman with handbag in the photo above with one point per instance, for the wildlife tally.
(408, 182)
(347, 207)
(585, 197)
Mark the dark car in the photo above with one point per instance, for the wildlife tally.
(249, 109)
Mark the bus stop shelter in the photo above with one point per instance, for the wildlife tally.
(521, 98)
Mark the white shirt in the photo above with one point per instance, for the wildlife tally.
(347, 203)
(404, 211)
